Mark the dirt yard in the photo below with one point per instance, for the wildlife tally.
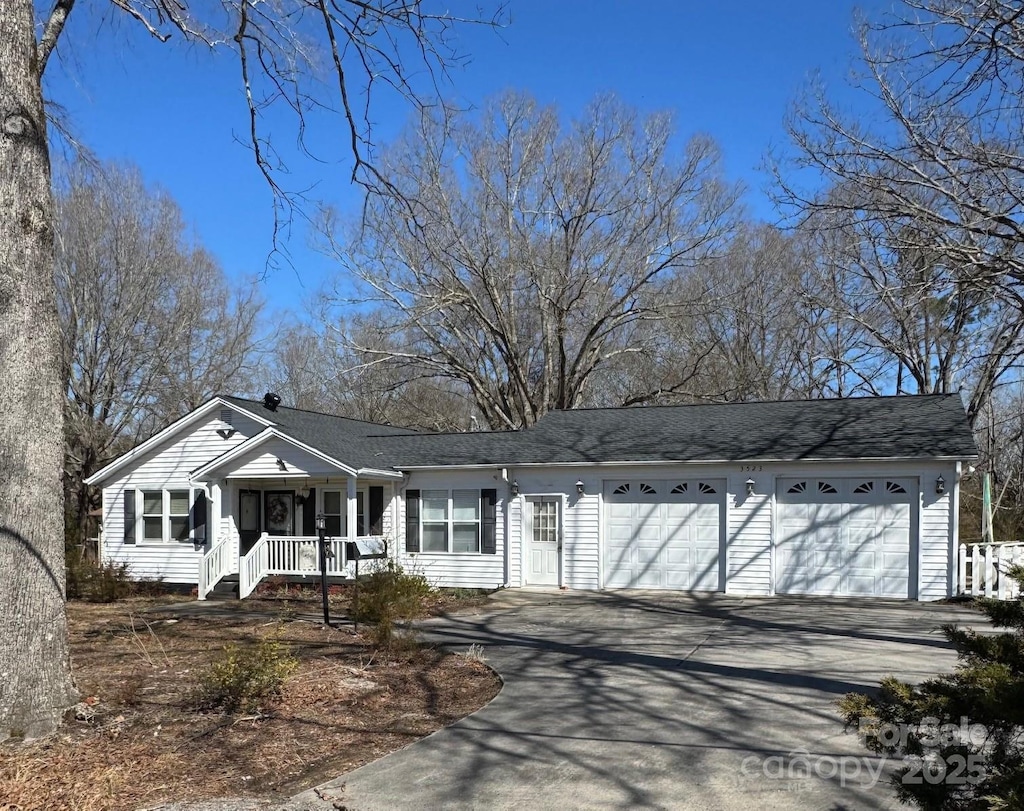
(138, 740)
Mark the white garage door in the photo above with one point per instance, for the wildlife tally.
(845, 536)
(664, 534)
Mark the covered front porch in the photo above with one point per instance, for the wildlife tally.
(265, 503)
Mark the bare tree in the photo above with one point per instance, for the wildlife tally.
(926, 198)
(311, 369)
(150, 326)
(518, 258)
(35, 674)
(286, 53)
(920, 325)
(744, 317)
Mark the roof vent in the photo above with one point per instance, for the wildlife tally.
(271, 400)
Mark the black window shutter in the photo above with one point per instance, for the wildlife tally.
(129, 516)
(489, 522)
(309, 514)
(376, 516)
(199, 515)
(412, 520)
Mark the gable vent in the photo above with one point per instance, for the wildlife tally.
(226, 415)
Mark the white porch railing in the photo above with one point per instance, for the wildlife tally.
(288, 555)
(214, 565)
(983, 566)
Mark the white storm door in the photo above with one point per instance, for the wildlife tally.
(543, 536)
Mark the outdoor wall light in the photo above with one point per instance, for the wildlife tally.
(750, 487)
(580, 488)
(515, 488)
(940, 486)
(281, 465)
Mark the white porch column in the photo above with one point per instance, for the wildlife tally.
(351, 514)
(213, 516)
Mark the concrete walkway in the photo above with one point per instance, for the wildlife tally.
(642, 700)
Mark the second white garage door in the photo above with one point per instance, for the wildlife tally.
(844, 536)
(664, 534)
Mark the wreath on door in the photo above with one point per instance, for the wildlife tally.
(277, 510)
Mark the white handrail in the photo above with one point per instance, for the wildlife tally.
(293, 555)
(212, 567)
(982, 567)
(252, 568)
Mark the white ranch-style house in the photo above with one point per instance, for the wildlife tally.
(853, 497)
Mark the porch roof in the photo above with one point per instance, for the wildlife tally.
(274, 454)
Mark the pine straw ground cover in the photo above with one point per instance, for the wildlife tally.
(138, 739)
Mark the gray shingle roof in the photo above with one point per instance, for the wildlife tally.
(869, 427)
(341, 438)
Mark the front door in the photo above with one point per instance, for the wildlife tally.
(279, 512)
(248, 518)
(543, 541)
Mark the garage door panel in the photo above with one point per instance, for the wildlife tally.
(647, 535)
(856, 540)
(678, 556)
(674, 535)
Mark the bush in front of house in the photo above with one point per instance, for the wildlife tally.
(95, 582)
(389, 596)
(960, 734)
(246, 679)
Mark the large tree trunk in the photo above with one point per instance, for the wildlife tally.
(35, 672)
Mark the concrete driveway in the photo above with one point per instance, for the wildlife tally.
(646, 700)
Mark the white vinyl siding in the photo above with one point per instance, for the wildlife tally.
(749, 534)
(937, 556)
(166, 466)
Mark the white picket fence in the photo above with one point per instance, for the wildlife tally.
(982, 569)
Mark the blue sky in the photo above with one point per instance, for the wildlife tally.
(727, 69)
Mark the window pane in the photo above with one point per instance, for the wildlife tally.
(435, 538)
(152, 502)
(360, 513)
(466, 505)
(179, 502)
(435, 505)
(466, 538)
(153, 529)
(179, 529)
(332, 525)
(545, 522)
(332, 502)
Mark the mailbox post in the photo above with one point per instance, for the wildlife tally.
(321, 526)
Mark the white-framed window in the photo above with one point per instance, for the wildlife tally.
(164, 514)
(335, 510)
(450, 521)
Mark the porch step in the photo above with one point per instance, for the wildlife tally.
(226, 589)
